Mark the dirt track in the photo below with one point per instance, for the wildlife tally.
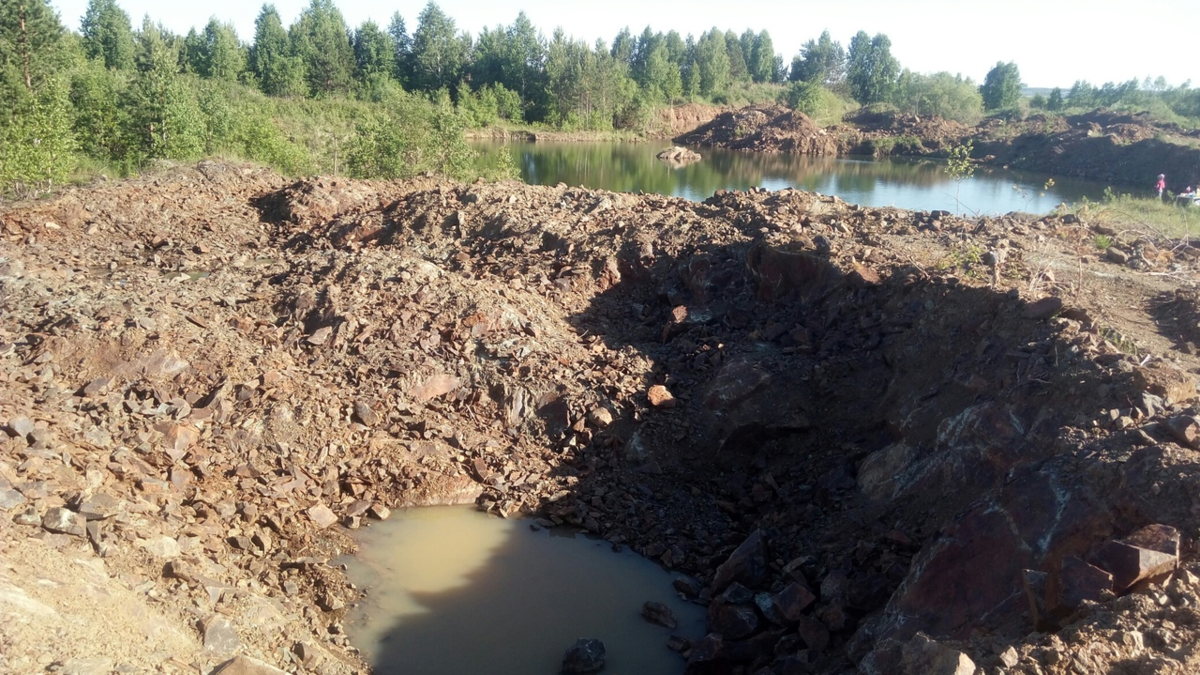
(871, 422)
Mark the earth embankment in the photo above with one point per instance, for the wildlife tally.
(865, 438)
(1118, 148)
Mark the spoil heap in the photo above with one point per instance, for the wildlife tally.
(866, 438)
(764, 129)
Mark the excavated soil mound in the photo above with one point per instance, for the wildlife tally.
(1106, 146)
(867, 439)
(764, 129)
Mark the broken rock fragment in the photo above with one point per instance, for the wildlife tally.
(660, 397)
(322, 515)
(1149, 552)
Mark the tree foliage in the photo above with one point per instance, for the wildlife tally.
(438, 54)
(822, 61)
(871, 70)
(222, 55)
(1001, 87)
(108, 34)
(276, 67)
(948, 96)
(374, 52)
(321, 40)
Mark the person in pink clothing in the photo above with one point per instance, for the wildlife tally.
(1161, 185)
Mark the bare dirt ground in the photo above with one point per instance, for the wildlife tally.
(868, 439)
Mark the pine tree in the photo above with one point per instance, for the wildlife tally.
(223, 57)
(402, 43)
(108, 34)
(374, 52)
(30, 45)
(321, 40)
(278, 70)
(762, 58)
(165, 120)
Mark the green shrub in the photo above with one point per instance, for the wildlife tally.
(37, 142)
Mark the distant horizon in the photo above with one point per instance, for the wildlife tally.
(1053, 42)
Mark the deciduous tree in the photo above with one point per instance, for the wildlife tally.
(438, 54)
(822, 61)
(1001, 86)
(871, 70)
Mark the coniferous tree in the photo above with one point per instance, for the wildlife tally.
(1054, 102)
(321, 40)
(222, 52)
(762, 58)
(676, 48)
(108, 34)
(712, 63)
(276, 67)
(522, 70)
(623, 46)
(402, 43)
(35, 122)
(191, 54)
(374, 52)
(737, 62)
(164, 116)
(30, 45)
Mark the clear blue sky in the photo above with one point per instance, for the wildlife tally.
(1053, 42)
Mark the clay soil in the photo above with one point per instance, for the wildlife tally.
(1121, 149)
(866, 439)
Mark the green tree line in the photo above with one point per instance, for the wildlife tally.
(319, 96)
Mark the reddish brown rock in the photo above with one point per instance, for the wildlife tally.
(1043, 309)
(436, 386)
(922, 656)
(1185, 429)
(660, 397)
(862, 276)
(1073, 583)
(814, 633)
(971, 576)
(322, 515)
(1130, 563)
(1166, 381)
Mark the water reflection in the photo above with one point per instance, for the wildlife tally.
(454, 591)
(909, 184)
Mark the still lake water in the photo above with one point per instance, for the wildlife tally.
(903, 183)
(452, 591)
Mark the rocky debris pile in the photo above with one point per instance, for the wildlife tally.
(1117, 148)
(764, 129)
(678, 156)
(867, 438)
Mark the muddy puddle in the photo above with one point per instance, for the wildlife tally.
(451, 590)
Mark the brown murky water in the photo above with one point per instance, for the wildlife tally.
(453, 591)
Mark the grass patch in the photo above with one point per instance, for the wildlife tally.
(1126, 213)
